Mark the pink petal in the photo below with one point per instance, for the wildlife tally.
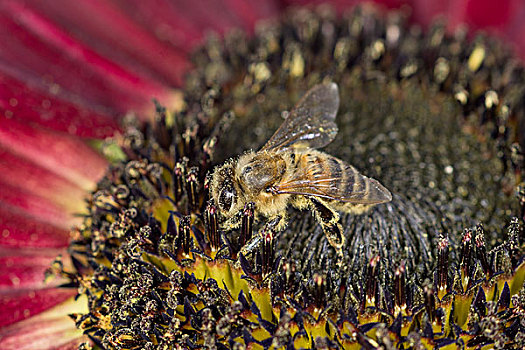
(25, 175)
(35, 207)
(53, 110)
(515, 30)
(101, 26)
(18, 230)
(37, 48)
(23, 269)
(425, 11)
(72, 345)
(342, 5)
(61, 154)
(17, 305)
(52, 329)
(488, 13)
(245, 13)
(184, 23)
(505, 18)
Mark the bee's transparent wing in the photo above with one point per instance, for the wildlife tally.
(311, 122)
(331, 178)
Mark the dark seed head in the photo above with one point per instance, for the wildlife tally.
(432, 116)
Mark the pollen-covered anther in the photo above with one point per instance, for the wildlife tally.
(513, 243)
(104, 200)
(288, 268)
(212, 226)
(400, 298)
(124, 338)
(481, 252)
(319, 291)
(226, 323)
(267, 252)
(207, 327)
(371, 282)
(178, 180)
(247, 223)
(430, 303)
(185, 239)
(467, 268)
(192, 184)
(282, 335)
(442, 268)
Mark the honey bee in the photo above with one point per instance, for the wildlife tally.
(288, 170)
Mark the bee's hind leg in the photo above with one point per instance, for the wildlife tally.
(329, 220)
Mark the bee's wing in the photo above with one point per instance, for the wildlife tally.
(331, 178)
(311, 122)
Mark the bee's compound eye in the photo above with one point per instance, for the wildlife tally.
(227, 198)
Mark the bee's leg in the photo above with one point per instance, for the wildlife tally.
(329, 220)
(275, 223)
(233, 222)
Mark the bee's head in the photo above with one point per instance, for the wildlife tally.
(223, 189)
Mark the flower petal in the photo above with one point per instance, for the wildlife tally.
(504, 18)
(487, 13)
(61, 154)
(18, 230)
(51, 329)
(184, 23)
(17, 305)
(23, 269)
(33, 206)
(23, 174)
(38, 48)
(53, 110)
(515, 28)
(132, 45)
(342, 5)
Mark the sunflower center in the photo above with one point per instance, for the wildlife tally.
(430, 116)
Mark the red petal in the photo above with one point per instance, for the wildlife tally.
(63, 155)
(252, 11)
(25, 175)
(488, 13)
(23, 269)
(101, 26)
(341, 5)
(18, 305)
(505, 18)
(183, 23)
(22, 102)
(425, 11)
(72, 345)
(515, 30)
(18, 230)
(38, 49)
(35, 207)
(52, 329)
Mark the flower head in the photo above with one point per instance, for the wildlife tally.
(432, 115)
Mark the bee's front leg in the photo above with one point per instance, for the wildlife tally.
(329, 220)
(275, 223)
(233, 222)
